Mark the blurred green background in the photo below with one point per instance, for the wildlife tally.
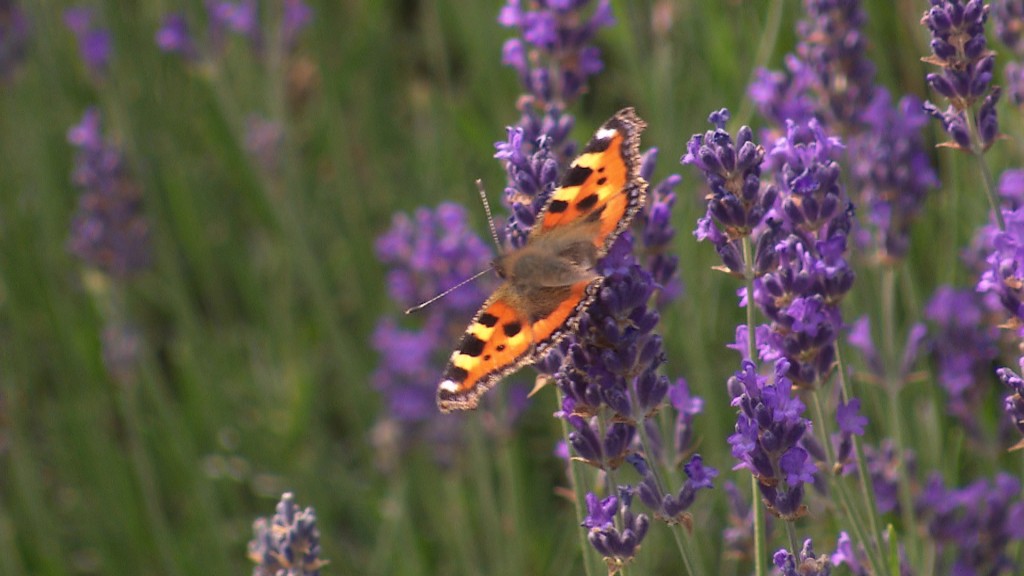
(253, 323)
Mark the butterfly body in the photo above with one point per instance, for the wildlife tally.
(550, 281)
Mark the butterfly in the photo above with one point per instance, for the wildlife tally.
(549, 282)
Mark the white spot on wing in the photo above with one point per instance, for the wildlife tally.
(605, 133)
(449, 386)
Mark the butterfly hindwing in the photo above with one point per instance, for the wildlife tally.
(501, 339)
(603, 184)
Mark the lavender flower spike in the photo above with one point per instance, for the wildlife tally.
(769, 428)
(738, 202)
(1014, 403)
(960, 49)
(288, 543)
(109, 230)
(617, 545)
(807, 564)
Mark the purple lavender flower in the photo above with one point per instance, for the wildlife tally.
(834, 48)
(1004, 275)
(14, 36)
(554, 59)
(807, 176)
(614, 361)
(769, 428)
(294, 19)
(429, 252)
(559, 33)
(1014, 403)
(891, 171)
(884, 464)
(964, 345)
(173, 36)
(618, 544)
(1008, 20)
(287, 543)
(94, 43)
(807, 564)
(739, 203)
(780, 96)
(657, 230)
(801, 296)
(978, 522)
(109, 230)
(845, 554)
(687, 406)
(959, 48)
(671, 508)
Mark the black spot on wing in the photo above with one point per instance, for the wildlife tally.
(602, 181)
(557, 206)
(576, 176)
(488, 320)
(500, 348)
(598, 145)
(587, 203)
(595, 215)
(512, 328)
(472, 346)
(456, 374)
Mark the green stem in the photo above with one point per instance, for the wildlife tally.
(760, 542)
(866, 487)
(978, 154)
(893, 386)
(591, 566)
(678, 530)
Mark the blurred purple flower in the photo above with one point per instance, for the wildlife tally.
(288, 543)
(109, 230)
(830, 79)
(427, 253)
(559, 33)
(964, 346)
(833, 47)
(1008, 22)
(173, 36)
(14, 36)
(891, 171)
(978, 522)
(296, 17)
(94, 43)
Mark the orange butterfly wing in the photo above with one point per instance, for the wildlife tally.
(500, 341)
(601, 190)
(603, 183)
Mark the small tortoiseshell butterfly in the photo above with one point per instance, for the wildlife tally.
(550, 281)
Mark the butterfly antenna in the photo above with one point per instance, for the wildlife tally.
(423, 305)
(487, 209)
